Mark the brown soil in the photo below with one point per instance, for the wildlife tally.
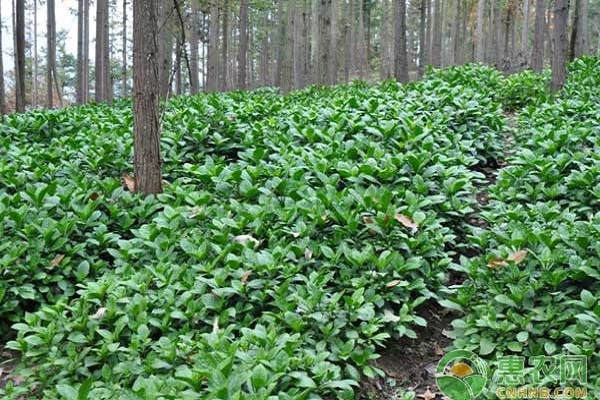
(409, 364)
(7, 365)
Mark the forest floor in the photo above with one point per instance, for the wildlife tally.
(409, 364)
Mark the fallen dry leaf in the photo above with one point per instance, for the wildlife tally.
(428, 395)
(129, 182)
(393, 283)
(497, 263)
(407, 222)
(308, 254)
(94, 196)
(99, 314)
(518, 257)
(56, 260)
(368, 220)
(243, 239)
(245, 276)
(438, 349)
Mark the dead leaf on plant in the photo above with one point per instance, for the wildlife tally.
(518, 257)
(393, 283)
(129, 182)
(243, 239)
(56, 260)
(245, 276)
(407, 222)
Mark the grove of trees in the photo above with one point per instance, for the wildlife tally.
(222, 45)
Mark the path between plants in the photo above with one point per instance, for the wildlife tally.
(409, 364)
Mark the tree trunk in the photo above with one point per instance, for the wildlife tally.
(580, 45)
(332, 67)
(51, 46)
(264, 53)
(243, 50)
(299, 48)
(20, 56)
(124, 52)
(286, 59)
(560, 42)
(400, 56)
(2, 90)
(80, 18)
(146, 126)
(353, 44)
(103, 85)
(165, 47)
(324, 36)
(362, 45)
(212, 79)
(436, 40)
(35, 89)
(479, 35)
(178, 79)
(423, 45)
(225, 48)
(525, 31)
(194, 41)
(537, 55)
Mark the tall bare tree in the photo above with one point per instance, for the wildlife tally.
(560, 44)
(580, 35)
(51, 46)
(194, 41)
(35, 74)
(19, 26)
(83, 40)
(165, 46)
(479, 35)
(212, 79)
(525, 29)
(243, 48)
(400, 53)
(332, 66)
(537, 55)
(324, 36)
(225, 47)
(146, 126)
(103, 89)
(2, 90)
(124, 52)
(436, 37)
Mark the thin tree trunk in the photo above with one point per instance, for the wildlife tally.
(429, 31)
(2, 89)
(561, 19)
(479, 35)
(333, 62)
(124, 52)
(225, 48)
(580, 29)
(525, 31)
(212, 79)
(423, 45)
(194, 41)
(80, 17)
(299, 45)
(537, 56)
(178, 79)
(85, 70)
(324, 36)
(103, 89)
(146, 125)
(165, 47)
(400, 56)
(496, 5)
(362, 45)
(35, 94)
(264, 53)
(243, 50)
(436, 45)
(51, 46)
(353, 43)
(20, 55)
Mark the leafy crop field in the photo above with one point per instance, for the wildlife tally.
(299, 235)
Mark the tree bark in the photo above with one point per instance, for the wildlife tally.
(537, 55)
(212, 79)
(124, 52)
(103, 85)
(333, 48)
(479, 35)
(225, 48)
(165, 47)
(525, 31)
(20, 55)
(194, 41)
(436, 45)
(243, 49)
(363, 69)
(423, 45)
(51, 46)
(324, 37)
(2, 89)
(146, 126)
(580, 45)
(35, 75)
(560, 43)
(298, 45)
(400, 54)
